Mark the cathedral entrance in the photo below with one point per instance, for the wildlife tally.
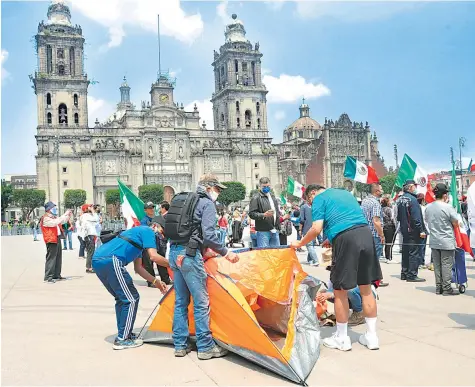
(168, 193)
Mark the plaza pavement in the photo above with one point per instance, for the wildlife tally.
(61, 334)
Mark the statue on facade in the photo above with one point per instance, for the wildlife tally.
(62, 116)
(148, 104)
(181, 153)
(256, 47)
(143, 105)
(150, 152)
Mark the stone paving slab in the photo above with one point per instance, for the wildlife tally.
(61, 334)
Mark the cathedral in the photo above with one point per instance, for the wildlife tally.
(160, 142)
(157, 142)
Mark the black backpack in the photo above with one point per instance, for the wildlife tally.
(107, 236)
(179, 220)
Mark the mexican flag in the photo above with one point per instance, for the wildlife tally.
(409, 170)
(295, 188)
(358, 171)
(471, 212)
(132, 206)
(461, 235)
(471, 166)
(283, 200)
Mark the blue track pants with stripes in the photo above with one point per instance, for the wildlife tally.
(118, 282)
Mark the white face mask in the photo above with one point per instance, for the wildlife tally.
(214, 195)
(54, 211)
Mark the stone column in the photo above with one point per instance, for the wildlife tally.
(368, 148)
(327, 167)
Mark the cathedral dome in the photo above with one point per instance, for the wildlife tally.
(59, 13)
(303, 127)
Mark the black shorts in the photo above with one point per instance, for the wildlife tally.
(354, 260)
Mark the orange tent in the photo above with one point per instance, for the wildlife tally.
(261, 308)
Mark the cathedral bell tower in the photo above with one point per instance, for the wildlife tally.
(239, 100)
(60, 84)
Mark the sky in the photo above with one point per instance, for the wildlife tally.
(406, 68)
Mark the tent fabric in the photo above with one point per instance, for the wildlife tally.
(261, 308)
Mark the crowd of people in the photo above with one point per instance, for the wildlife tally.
(178, 240)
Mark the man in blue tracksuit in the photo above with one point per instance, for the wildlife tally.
(109, 263)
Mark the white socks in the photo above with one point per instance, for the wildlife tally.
(342, 329)
(371, 325)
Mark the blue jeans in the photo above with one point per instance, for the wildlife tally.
(222, 236)
(254, 239)
(35, 234)
(423, 251)
(311, 252)
(68, 235)
(354, 298)
(267, 239)
(82, 247)
(190, 279)
(379, 246)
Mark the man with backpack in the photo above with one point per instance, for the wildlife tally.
(190, 225)
(109, 262)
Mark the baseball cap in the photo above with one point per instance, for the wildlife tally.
(211, 180)
(410, 181)
(440, 188)
(148, 205)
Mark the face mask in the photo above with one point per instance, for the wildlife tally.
(54, 211)
(265, 190)
(214, 195)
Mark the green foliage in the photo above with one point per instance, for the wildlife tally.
(234, 192)
(362, 188)
(28, 200)
(74, 198)
(7, 195)
(151, 193)
(387, 182)
(113, 196)
(252, 193)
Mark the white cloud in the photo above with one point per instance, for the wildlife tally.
(120, 15)
(279, 115)
(5, 73)
(222, 11)
(174, 72)
(275, 5)
(205, 108)
(290, 88)
(98, 108)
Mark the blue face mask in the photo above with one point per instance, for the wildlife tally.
(54, 211)
(265, 190)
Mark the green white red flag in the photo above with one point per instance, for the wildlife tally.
(471, 166)
(410, 170)
(132, 206)
(358, 171)
(461, 236)
(295, 188)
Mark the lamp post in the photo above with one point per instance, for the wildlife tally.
(462, 141)
(56, 149)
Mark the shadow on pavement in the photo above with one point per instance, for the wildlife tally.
(428, 289)
(468, 320)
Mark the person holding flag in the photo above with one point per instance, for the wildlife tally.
(442, 220)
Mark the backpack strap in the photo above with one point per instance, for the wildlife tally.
(130, 241)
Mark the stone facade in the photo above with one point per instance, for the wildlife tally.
(158, 142)
(311, 153)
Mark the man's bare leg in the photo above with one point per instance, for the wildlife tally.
(370, 338)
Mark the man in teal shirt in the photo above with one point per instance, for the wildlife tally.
(354, 261)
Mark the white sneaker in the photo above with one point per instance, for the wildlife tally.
(314, 263)
(369, 340)
(337, 342)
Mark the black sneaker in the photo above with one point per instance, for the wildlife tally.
(416, 279)
(60, 278)
(451, 292)
(51, 281)
(403, 277)
(438, 291)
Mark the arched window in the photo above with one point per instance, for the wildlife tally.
(238, 122)
(62, 114)
(75, 100)
(237, 106)
(49, 118)
(61, 69)
(236, 65)
(76, 118)
(258, 107)
(222, 117)
(258, 123)
(248, 119)
(48, 99)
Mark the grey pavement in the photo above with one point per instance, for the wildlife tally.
(61, 334)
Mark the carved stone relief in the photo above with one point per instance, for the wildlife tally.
(111, 166)
(99, 165)
(123, 164)
(167, 150)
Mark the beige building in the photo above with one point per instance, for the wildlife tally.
(157, 142)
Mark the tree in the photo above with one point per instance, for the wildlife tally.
(7, 195)
(234, 192)
(28, 200)
(113, 198)
(252, 193)
(387, 182)
(151, 193)
(74, 198)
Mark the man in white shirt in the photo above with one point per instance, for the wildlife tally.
(89, 221)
